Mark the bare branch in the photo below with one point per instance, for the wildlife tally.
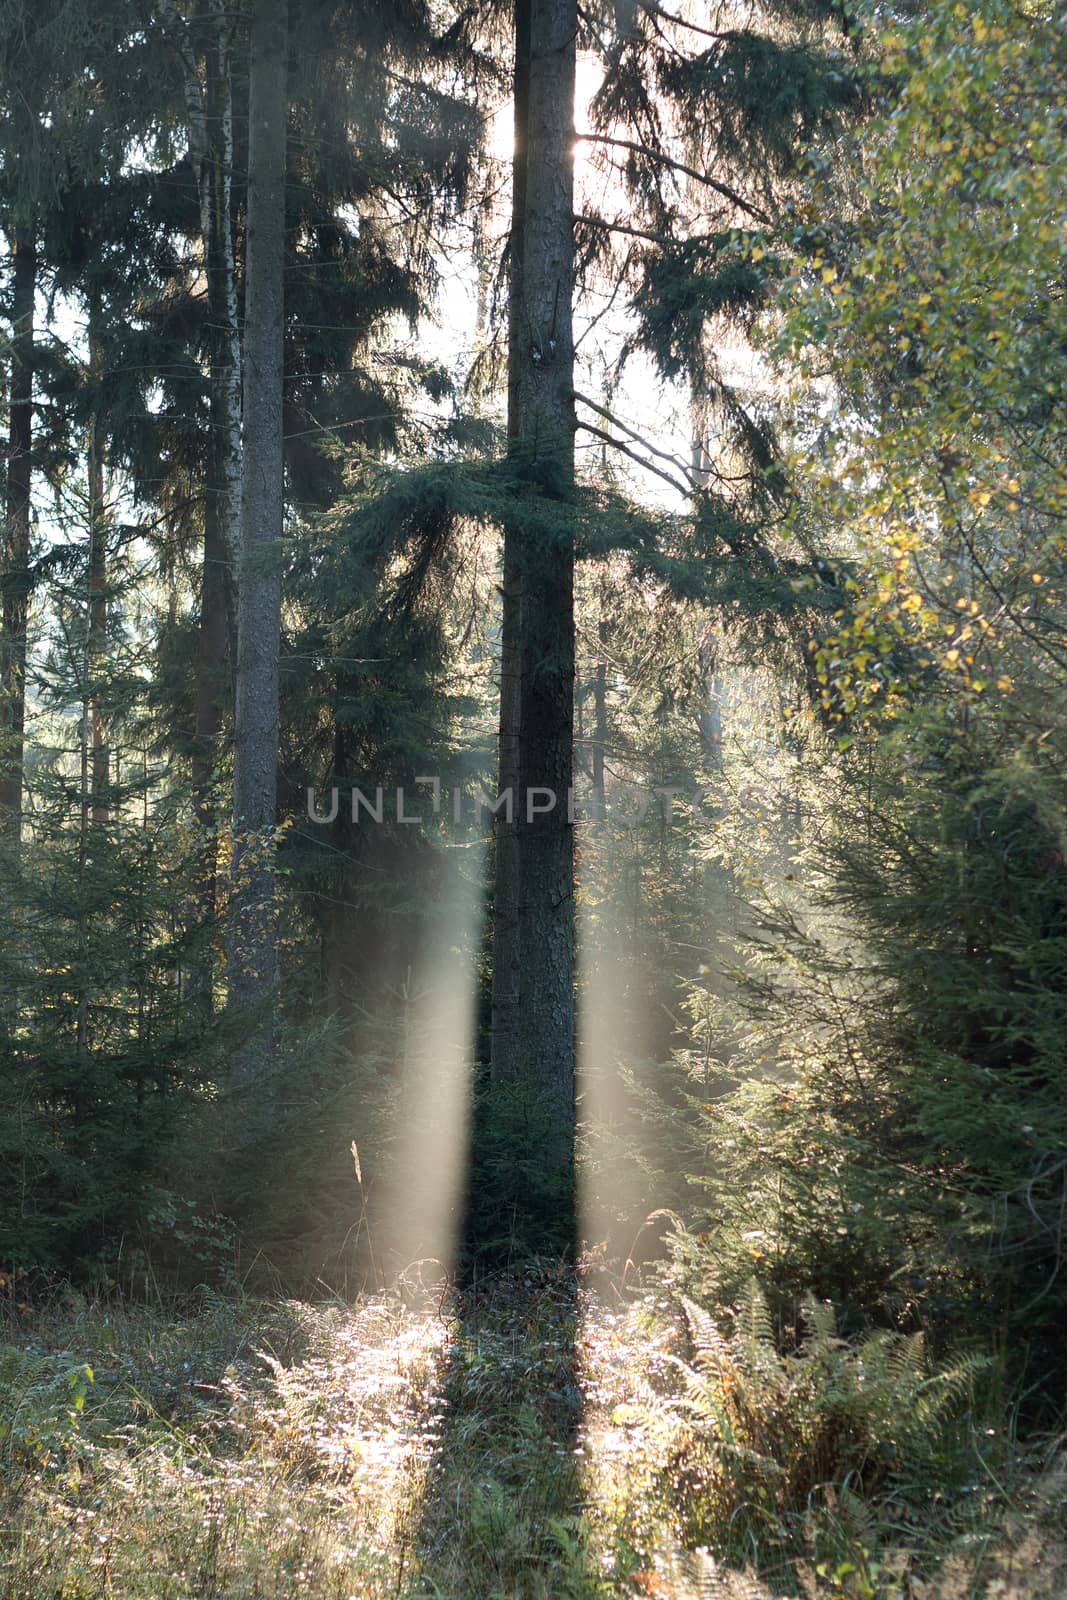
(617, 422)
(634, 233)
(617, 444)
(679, 166)
(680, 22)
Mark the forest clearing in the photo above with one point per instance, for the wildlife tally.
(525, 1442)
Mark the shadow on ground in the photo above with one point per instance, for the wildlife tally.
(502, 1514)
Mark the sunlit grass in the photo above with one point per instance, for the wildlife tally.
(272, 1452)
(527, 1442)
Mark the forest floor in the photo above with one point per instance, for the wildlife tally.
(525, 1442)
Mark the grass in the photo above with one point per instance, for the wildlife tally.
(528, 1441)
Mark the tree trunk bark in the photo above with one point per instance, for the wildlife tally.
(542, 360)
(96, 632)
(709, 720)
(209, 115)
(226, 392)
(507, 960)
(211, 689)
(600, 725)
(222, 501)
(16, 586)
(253, 950)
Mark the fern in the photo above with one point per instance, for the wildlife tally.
(786, 1445)
(41, 1398)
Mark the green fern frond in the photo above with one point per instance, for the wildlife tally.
(708, 1342)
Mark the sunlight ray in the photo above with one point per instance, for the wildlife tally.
(613, 1042)
(419, 1222)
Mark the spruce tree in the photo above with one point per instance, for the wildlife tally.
(543, 448)
(506, 947)
(18, 497)
(533, 998)
(205, 46)
(253, 947)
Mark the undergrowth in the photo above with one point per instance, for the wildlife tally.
(524, 1440)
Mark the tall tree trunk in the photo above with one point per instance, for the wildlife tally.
(507, 961)
(211, 692)
(96, 630)
(222, 288)
(709, 721)
(16, 582)
(222, 501)
(542, 360)
(254, 952)
(209, 115)
(600, 721)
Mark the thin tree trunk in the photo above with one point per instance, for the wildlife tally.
(710, 719)
(254, 951)
(542, 359)
(209, 115)
(96, 633)
(16, 585)
(222, 499)
(84, 745)
(96, 649)
(709, 722)
(507, 960)
(211, 689)
(226, 392)
(600, 725)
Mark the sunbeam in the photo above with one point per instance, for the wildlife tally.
(612, 1043)
(418, 1223)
